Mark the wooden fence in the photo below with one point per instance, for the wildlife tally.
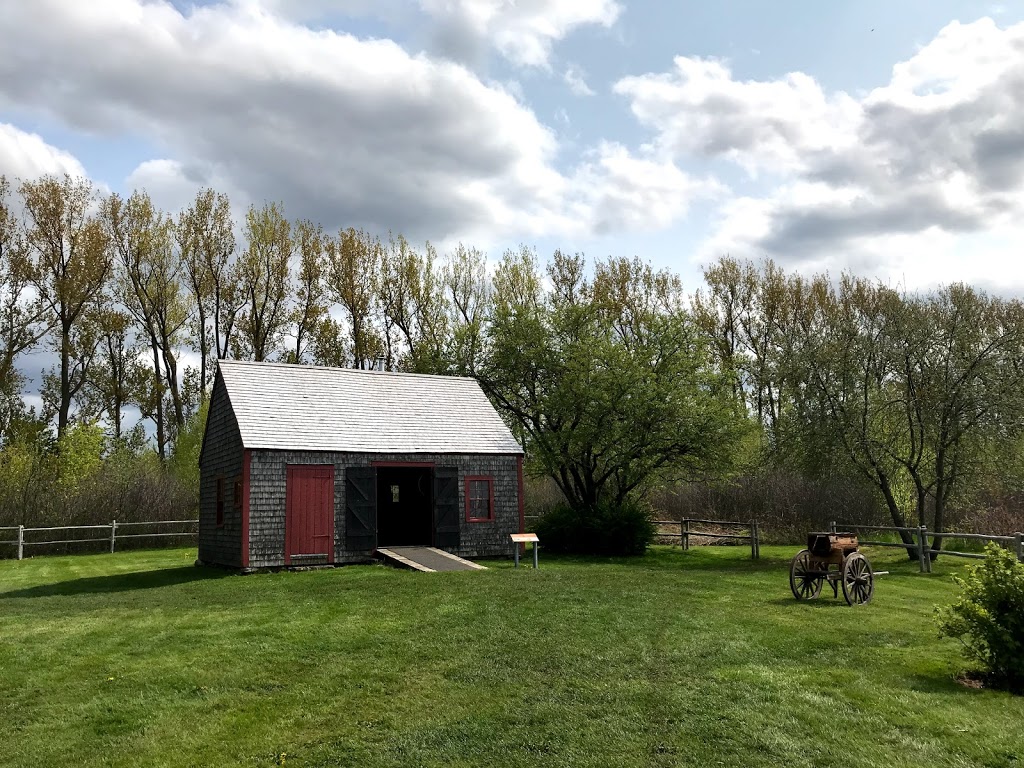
(687, 529)
(26, 536)
(924, 550)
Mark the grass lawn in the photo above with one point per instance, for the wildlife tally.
(700, 658)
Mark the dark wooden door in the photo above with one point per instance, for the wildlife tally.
(360, 509)
(446, 508)
(309, 514)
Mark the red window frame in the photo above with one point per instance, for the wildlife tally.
(470, 479)
(220, 501)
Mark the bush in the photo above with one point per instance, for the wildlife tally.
(607, 530)
(989, 617)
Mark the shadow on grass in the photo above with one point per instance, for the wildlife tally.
(819, 603)
(948, 684)
(674, 560)
(122, 582)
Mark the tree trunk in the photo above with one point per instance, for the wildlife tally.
(65, 380)
(204, 348)
(161, 439)
(897, 517)
(171, 375)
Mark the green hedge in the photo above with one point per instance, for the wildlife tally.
(607, 530)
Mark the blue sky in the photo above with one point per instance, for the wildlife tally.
(872, 136)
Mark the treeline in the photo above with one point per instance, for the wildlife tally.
(121, 292)
(622, 386)
(917, 395)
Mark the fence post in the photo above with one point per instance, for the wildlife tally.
(113, 535)
(753, 540)
(757, 539)
(832, 527)
(923, 555)
(686, 533)
(21, 542)
(1020, 547)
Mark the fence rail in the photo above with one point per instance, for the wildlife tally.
(925, 551)
(686, 531)
(21, 542)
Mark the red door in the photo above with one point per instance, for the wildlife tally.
(309, 514)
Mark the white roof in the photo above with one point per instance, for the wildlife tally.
(303, 407)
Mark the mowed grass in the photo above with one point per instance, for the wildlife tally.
(700, 658)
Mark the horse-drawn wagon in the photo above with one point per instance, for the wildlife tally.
(832, 557)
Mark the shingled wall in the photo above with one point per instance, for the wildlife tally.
(221, 457)
(268, 472)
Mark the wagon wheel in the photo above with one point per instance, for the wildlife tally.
(803, 579)
(858, 579)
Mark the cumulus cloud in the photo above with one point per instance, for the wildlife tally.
(911, 170)
(620, 190)
(523, 31)
(345, 131)
(349, 131)
(699, 108)
(27, 156)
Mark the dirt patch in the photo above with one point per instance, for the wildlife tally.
(973, 680)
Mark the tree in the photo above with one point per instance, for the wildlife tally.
(749, 313)
(310, 310)
(958, 356)
(150, 276)
(606, 380)
(718, 313)
(264, 284)
(412, 302)
(22, 315)
(353, 259)
(845, 348)
(109, 392)
(206, 242)
(468, 288)
(73, 261)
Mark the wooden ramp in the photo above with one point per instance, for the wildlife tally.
(426, 559)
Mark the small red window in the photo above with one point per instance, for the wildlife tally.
(479, 499)
(220, 501)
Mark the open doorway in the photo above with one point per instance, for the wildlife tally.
(405, 516)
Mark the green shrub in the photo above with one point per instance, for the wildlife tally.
(608, 530)
(989, 617)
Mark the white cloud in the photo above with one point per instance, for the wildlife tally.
(920, 180)
(27, 156)
(619, 190)
(347, 132)
(576, 80)
(523, 31)
(700, 109)
(172, 185)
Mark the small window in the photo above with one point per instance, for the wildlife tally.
(479, 499)
(220, 501)
(394, 494)
(236, 494)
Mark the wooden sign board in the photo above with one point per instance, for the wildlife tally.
(522, 538)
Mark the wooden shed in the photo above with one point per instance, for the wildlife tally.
(304, 465)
